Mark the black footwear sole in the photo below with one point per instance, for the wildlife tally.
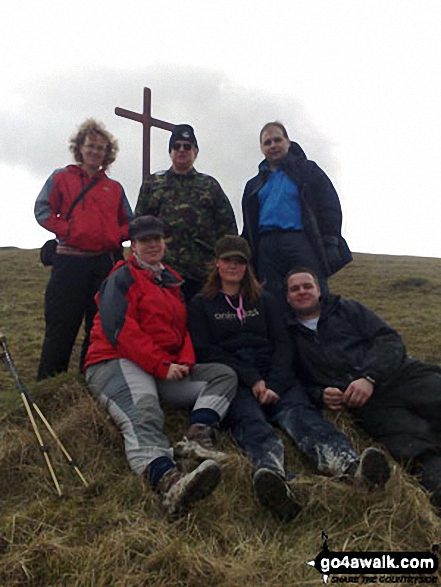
(374, 469)
(274, 494)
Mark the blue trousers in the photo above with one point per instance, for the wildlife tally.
(252, 426)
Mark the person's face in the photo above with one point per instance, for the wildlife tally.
(183, 155)
(303, 295)
(93, 151)
(231, 270)
(150, 249)
(274, 145)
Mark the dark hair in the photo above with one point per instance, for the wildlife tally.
(250, 288)
(296, 270)
(278, 125)
(91, 127)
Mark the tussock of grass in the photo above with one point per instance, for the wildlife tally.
(112, 532)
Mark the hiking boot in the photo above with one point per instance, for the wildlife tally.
(273, 492)
(178, 490)
(373, 468)
(198, 443)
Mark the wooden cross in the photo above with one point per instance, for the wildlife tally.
(147, 122)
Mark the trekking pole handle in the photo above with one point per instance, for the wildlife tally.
(2, 337)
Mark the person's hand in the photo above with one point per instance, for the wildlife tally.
(333, 256)
(269, 397)
(186, 369)
(333, 398)
(357, 393)
(259, 389)
(177, 372)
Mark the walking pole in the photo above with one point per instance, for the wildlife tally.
(29, 403)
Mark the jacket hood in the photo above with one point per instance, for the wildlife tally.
(296, 150)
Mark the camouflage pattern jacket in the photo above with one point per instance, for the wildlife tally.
(197, 213)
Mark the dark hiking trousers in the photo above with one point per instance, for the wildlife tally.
(69, 298)
(251, 425)
(406, 417)
(280, 251)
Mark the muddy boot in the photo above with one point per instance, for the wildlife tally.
(177, 490)
(273, 492)
(199, 444)
(372, 469)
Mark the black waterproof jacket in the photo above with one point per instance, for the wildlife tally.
(352, 342)
(320, 206)
(258, 349)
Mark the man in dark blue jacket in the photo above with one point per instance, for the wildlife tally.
(291, 214)
(349, 358)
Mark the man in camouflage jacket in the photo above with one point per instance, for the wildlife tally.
(193, 205)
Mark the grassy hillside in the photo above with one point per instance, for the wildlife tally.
(112, 533)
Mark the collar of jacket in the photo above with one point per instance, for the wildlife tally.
(168, 279)
(190, 175)
(295, 152)
(289, 164)
(76, 169)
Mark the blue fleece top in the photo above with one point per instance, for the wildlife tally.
(279, 203)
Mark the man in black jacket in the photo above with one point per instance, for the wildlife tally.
(350, 358)
(291, 214)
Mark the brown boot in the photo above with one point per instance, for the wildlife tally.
(177, 490)
(198, 443)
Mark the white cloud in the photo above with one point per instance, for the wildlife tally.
(355, 82)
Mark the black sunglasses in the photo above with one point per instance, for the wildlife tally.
(176, 146)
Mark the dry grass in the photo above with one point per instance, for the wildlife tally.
(112, 533)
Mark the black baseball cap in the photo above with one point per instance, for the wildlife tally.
(146, 226)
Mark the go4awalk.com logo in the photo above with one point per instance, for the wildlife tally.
(360, 568)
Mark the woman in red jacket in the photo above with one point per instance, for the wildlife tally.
(89, 214)
(141, 355)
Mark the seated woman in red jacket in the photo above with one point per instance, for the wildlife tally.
(238, 324)
(140, 356)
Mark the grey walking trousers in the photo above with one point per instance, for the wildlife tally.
(133, 399)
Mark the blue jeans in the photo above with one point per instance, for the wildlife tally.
(251, 425)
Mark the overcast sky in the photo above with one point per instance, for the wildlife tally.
(356, 82)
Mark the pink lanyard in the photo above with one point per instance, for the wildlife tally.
(241, 314)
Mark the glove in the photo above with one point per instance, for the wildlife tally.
(333, 256)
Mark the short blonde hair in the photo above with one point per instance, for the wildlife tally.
(91, 127)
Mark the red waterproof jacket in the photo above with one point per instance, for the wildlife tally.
(141, 319)
(99, 222)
